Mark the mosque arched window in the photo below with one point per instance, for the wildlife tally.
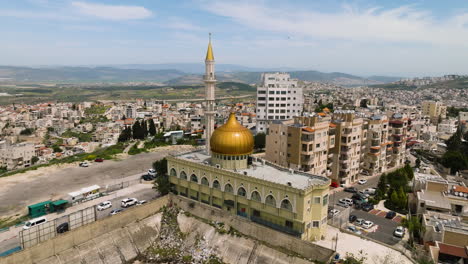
(173, 172)
(241, 192)
(204, 181)
(183, 175)
(194, 178)
(270, 200)
(216, 185)
(256, 196)
(228, 188)
(286, 204)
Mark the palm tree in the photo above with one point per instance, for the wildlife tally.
(415, 228)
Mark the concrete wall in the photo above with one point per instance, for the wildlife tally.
(79, 242)
(459, 239)
(246, 227)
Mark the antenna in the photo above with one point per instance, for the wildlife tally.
(209, 36)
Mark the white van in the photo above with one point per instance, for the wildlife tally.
(34, 222)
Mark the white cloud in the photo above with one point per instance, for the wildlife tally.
(181, 24)
(403, 24)
(112, 12)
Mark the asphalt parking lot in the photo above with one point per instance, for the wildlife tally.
(116, 202)
(384, 230)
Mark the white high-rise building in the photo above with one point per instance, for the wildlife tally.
(278, 98)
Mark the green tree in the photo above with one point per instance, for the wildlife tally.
(363, 103)
(152, 127)
(455, 160)
(137, 131)
(125, 135)
(162, 184)
(27, 132)
(382, 186)
(454, 143)
(34, 159)
(415, 228)
(56, 149)
(394, 199)
(144, 127)
(402, 199)
(409, 172)
(259, 141)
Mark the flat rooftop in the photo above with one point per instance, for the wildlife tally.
(264, 170)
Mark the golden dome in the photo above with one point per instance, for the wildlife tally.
(232, 138)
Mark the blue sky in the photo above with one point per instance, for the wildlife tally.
(405, 38)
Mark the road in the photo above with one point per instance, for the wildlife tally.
(52, 183)
(10, 239)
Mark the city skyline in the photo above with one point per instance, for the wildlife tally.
(365, 37)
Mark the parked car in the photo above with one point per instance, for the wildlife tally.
(399, 231)
(390, 215)
(350, 190)
(99, 160)
(334, 184)
(104, 205)
(362, 181)
(127, 202)
(342, 204)
(359, 197)
(370, 191)
(84, 164)
(359, 221)
(354, 230)
(34, 222)
(352, 218)
(333, 212)
(362, 193)
(62, 228)
(367, 224)
(115, 211)
(367, 207)
(365, 173)
(140, 202)
(349, 201)
(152, 172)
(147, 177)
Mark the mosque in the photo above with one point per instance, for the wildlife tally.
(225, 175)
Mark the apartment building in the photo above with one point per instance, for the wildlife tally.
(349, 134)
(398, 129)
(278, 98)
(375, 155)
(434, 110)
(302, 143)
(15, 156)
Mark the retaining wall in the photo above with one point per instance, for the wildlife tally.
(267, 235)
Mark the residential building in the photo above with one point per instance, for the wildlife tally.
(377, 147)
(397, 135)
(16, 156)
(278, 98)
(301, 144)
(349, 135)
(232, 180)
(434, 110)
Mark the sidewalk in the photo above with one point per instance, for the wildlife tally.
(374, 252)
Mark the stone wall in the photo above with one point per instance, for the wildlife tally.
(107, 234)
(264, 234)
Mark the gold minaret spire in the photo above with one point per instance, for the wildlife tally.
(209, 52)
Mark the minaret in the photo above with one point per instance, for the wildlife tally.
(210, 82)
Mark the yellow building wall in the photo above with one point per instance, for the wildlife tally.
(300, 218)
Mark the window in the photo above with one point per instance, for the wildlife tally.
(194, 178)
(261, 98)
(270, 200)
(204, 181)
(216, 185)
(173, 172)
(317, 200)
(261, 92)
(241, 192)
(286, 204)
(228, 188)
(288, 224)
(325, 200)
(256, 196)
(183, 175)
(315, 224)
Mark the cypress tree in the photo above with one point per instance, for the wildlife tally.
(137, 130)
(144, 127)
(152, 127)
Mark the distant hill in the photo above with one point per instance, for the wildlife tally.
(171, 74)
(384, 79)
(84, 74)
